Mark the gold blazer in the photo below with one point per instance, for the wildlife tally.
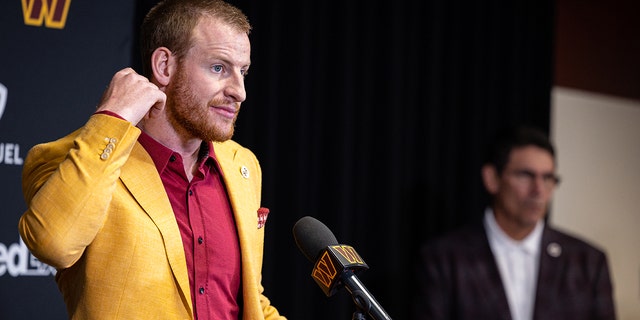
(97, 211)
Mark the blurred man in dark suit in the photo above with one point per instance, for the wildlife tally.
(513, 264)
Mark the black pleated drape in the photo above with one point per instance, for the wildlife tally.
(372, 117)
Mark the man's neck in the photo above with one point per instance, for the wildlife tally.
(187, 146)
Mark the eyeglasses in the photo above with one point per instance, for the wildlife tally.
(528, 177)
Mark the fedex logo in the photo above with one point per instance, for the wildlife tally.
(16, 261)
(52, 12)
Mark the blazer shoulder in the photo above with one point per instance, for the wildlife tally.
(571, 241)
(232, 149)
(468, 237)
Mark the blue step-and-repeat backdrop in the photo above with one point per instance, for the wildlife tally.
(56, 58)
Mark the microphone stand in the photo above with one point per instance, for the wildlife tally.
(364, 301)
(358, 315)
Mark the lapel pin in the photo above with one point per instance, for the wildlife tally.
(554, 249)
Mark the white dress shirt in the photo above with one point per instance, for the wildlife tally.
(518, 265)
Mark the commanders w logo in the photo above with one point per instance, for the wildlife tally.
(52, 12)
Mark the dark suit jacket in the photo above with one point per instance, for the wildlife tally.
(458, 278)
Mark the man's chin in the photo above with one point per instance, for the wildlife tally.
(218, 136)
(535, 216)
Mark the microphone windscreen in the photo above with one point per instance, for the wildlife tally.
(312, 236)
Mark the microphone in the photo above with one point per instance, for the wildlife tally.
(335, 265)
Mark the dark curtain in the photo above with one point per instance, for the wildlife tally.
(372, 116)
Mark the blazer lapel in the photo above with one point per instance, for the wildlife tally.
(489, 280)
(236, 184)
(141, 178)
(550, 275)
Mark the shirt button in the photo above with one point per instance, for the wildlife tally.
(172, 158)
(190, 192)
(200, 240)
(201, 290)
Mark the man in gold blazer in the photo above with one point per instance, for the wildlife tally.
(106, 205)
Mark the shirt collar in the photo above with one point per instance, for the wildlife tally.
(161, 155)
(530, 244)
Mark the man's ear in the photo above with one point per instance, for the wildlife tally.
(162, 66)
(490, 178)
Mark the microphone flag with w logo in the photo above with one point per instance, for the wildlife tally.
(332, 263)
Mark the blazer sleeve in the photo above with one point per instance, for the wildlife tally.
(432, 290)
(604, 306)
(67, 186)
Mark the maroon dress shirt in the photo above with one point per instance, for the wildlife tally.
(207, 226)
